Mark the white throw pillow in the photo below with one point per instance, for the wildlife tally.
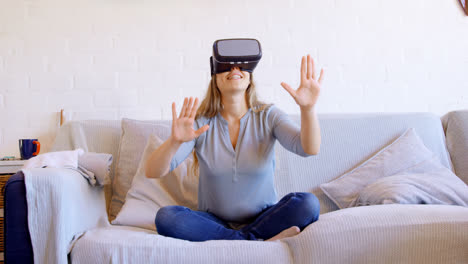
(440, 186)
(406, 154)
(146, 196)
(135, 134)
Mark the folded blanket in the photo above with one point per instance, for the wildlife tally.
(89, 175)
(59, 159)
(97, 163)
(95, 167)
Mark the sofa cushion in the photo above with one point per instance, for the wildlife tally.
(440, 186)
(133, 139)
(455, 125)
(122, 244)
(406, 153)
(390, 233)
(146, 196)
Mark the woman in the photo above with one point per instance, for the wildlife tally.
(233, 137)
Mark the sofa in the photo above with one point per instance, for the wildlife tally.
(384, 233)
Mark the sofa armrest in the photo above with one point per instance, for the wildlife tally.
(62, 205)
(455, 125)
(17, 241)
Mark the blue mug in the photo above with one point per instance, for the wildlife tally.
(29, 148)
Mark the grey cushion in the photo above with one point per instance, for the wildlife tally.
(406, 154)
(147, 196)
(133, 140)
(455, 125)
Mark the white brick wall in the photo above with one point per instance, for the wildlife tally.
(114, 59)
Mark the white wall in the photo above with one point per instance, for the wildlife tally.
(103, 59)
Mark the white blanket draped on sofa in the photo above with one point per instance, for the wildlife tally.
(60, 211)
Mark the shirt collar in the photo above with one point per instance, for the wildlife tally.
(243, 118)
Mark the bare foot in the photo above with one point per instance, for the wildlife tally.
(292, 231)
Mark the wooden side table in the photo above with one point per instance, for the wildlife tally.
(7, 169)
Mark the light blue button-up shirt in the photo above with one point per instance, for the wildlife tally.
(237, 184)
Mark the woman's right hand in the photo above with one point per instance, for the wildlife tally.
(182, 127)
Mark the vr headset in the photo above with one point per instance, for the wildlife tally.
(241, 52)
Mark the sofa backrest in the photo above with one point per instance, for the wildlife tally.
(347, 141)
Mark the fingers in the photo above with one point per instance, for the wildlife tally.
(303, 69)
(201, 130)
(188, 111)
(174, 113)
(321, 77)
(184, 106)
(311, 74)
(289, 89)
(194, 108)
(313, 68)
(189, 108)
(309, 67)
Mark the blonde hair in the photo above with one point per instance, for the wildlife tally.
(211, 105)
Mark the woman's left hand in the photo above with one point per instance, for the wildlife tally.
(307, 94)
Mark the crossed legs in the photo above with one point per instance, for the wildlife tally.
(295, 209)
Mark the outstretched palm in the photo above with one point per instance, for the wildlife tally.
(182, 127)
(307, 94)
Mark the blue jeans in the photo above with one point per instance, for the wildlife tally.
(294, 209)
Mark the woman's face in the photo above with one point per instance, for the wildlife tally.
(232, 81)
